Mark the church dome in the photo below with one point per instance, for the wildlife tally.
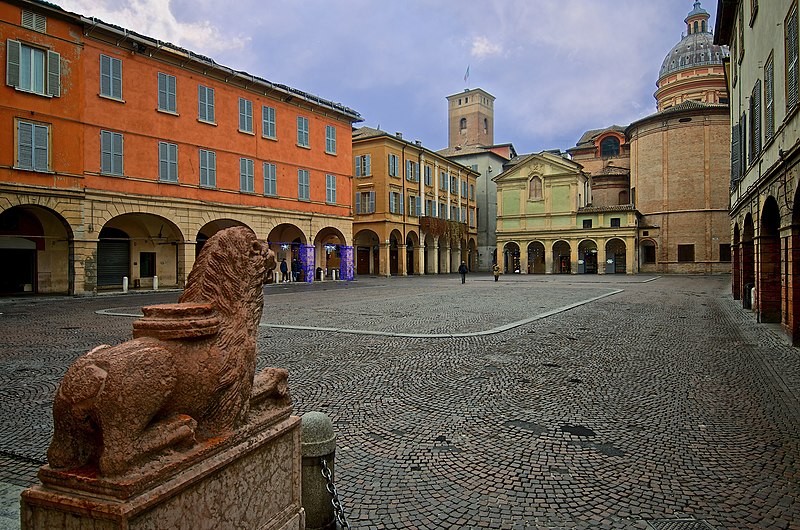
(697, 48)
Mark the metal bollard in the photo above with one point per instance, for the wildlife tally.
(155, 283)
(124, 284)
(317, 441)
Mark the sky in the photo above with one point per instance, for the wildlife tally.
(557, 67)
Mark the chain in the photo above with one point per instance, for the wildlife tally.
(338, 509)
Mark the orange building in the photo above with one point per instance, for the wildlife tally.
(123, 154)
(415, 210)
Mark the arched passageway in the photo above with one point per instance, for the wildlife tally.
(736, 272)
(748, 260)
(368, 256)
(769, 260)
(615, 256)
(562, 260)
(511, 259)
(536, 258)
(211, 228)
(395, 241)
(587, 257)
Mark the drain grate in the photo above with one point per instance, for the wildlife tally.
(679, 524)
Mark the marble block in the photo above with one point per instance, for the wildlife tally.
(247, 482)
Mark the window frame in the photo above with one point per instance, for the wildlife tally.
(330, 139)
(206, 105)
(792, 60)
(208, 171)
(303, 185)
(535, 185)
(394, 162)
(270, 179)
(615, 222)
(167, 93)
(363, 165)
(245, 116)
(269, 128)
(114, 82)
(330, 188)
(365, 198)
(34, 146)
(167, 162)
(682, 254)
(247, 175)
(302, 132)
(769, 98)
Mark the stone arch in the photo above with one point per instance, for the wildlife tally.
(211, 228)
(289, 242)
(536, 258)
(395, 242)
(36, 251)
(430, 258)
(368, 252)
(511, 261)
(648, 252)
(562, 257)
(736, 272)
(142, 247)
(769, 261)
(472, 254)
(412, 243)
(330, 251)
(793, 305)
(616, 251)
(748, 258)
(588, 257)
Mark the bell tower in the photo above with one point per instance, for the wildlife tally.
(470, 117)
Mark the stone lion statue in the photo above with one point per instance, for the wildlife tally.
(187, 375)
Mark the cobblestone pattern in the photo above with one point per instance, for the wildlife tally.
(663, 401)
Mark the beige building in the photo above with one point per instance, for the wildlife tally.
(414, 210)
(765, 152)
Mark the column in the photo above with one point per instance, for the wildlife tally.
(548, 256)
(84, 262)
(601, 267)
(419, 253)
(384, 260)
(501, 258)
(433, 259)
(347, 264)
(186, 257)
(402, 260)
(523, 257)
(573, 257)
(307, 262)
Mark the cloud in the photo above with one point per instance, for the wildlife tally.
(155, 19)
(482, 47)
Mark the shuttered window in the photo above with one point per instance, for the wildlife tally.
(208, 168)
(268, 119)
(393, 162)
(791, 58)
(111, 155)
(769, 99)
(167, 162)
(167, 86)
(302, 131)
(755, 122)
(363, 165)
(365, 202)
(330, 189)
(330, 139)
(32, 146)
(205, 104)
(34, 21)
(303, 185)
(735, 152)
(270, 179)
(245, 115)
(33, 69)
(110, 77)
(246, 175)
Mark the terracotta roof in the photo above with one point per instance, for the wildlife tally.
(463, 150)
(587, 139)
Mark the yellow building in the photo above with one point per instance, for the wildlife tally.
(546, 223)
(414, 210)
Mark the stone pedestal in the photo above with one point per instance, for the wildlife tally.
(250, 480)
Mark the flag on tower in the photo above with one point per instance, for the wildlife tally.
(466, 74)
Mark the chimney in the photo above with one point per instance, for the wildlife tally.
(399, 135)
(418, 142)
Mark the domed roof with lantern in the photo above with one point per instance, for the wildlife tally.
(696, 48)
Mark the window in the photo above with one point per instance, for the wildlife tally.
(167, 162)
(472, 192)
(414, 206)
(330, 139)
(330, 189)
(755, 122)
(110, 77)
(686, 253)
(535, 189)
(472, 217)
(34, 21)
(268, 122)
(33, 146)
(428, 176)
(270, 179)
(412, 171)
(111, 153)
(741, 31)
(147, 264)
(791, 58)
(753, 11)
(485, 126)
(587, 223)
(462, 124)
(303, 185)
(609, 146)
(464, 188)
(615, 222)
(205, 104)
(245, 115)
(166, 92)
(454, 213)
(302, 131)
(430, 208)
(365, 202)
(208, 168)
(769, 99)
(392, 165)
(453, 185)
(363, 166)
(443, 181)
(33, 69)
(649, 253)
(442, 210)
(246, 175)
(395, 202)
(725, 252)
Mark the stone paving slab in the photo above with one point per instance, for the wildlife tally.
(662, 401)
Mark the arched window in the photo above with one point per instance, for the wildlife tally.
(535, 188)
(695, 26)
(703, 26)
(463, 123)
(609, 146)
(485, 126)
(623, 197)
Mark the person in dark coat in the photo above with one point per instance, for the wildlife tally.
(284, 271)
(462, 270)
(295, 270)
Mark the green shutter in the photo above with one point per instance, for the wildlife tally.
(12, 62)
(53, 74)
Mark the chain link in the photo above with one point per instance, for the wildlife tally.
(338, 509)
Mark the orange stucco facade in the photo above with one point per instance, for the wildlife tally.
(76, 209)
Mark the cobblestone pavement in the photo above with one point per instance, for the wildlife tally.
(552, 402)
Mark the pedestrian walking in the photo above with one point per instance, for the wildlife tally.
(496, 271)
(295, 270)
(462, 270)
(284, 271)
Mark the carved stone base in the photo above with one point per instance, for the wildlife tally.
(253, 483)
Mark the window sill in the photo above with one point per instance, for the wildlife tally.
(301, 146)
(111, 98)
(207, 186)
(272, 138)
(249, 133)
(162, 181)
(247, 192)
(303, 199)
(33, 92)
(34, 170)
(212, 123)
(107, 174)
(170, 112)
(332, 153)
(271, 195)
